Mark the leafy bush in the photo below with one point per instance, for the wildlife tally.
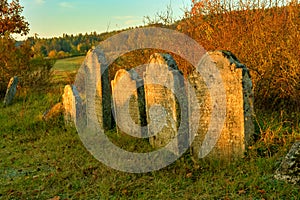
(39, 75)
(17, 61)
(17, 58)
(13, 61)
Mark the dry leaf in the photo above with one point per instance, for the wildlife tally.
(55, 198)
(189, 175)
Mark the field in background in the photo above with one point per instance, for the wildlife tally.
(65, 69)
(68, 64)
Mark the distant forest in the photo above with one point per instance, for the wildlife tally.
(67, 45)
(72, 45)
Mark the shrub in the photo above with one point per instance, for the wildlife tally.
(18, 61)
(16, 58)
(264, 35)
(40, 74)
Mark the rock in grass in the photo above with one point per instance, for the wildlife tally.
(289, 169)
(11, 91)
(53, 112)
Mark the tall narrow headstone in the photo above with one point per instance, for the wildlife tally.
(129, 103)
(11, 91)
(164, 92)
(238, 127)
(97, 90)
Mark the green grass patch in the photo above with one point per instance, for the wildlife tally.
(65, 69)
(68, 64)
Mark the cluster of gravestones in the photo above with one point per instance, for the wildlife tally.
(160, 104)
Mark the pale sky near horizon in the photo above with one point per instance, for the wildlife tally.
(52, 18)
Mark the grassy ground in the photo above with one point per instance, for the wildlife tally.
(44, 160)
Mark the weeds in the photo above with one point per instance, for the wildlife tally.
(263, 35)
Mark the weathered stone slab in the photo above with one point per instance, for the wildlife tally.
(11, 91)
(238, 127)
(164, 91)
(72, 104)
(289, 169)
(129, 103)
(97, 90)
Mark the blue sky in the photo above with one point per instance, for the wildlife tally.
(49, 18)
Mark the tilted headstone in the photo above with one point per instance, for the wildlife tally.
(289, 169)
(11, 91)
(129, 103)
(164, 91)
(238, 127)
(97, 90)
(72, 104)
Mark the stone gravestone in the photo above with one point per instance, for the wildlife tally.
(129, 103)
(289, 169)
(11, 91)
(238, 127)
(72, 104)
(164, 89)
(97, 90)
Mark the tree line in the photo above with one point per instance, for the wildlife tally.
(67, 45)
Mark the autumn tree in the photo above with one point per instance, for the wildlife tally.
(16, 57)
(11, 20)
